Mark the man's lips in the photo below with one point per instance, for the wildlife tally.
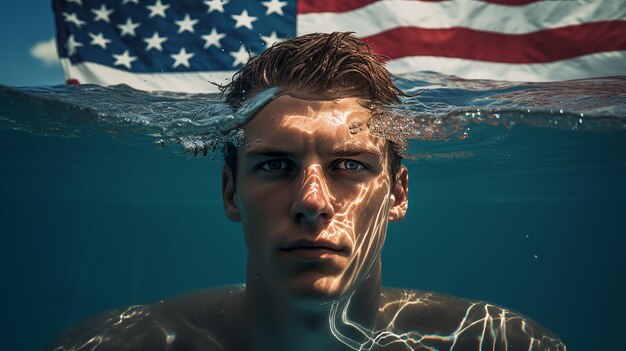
(313, 249)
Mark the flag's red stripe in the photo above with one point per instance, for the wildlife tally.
(310, 6)
(537, 47)
(313, 6)
(512, 2)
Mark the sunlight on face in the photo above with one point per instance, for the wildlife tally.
(313, 193)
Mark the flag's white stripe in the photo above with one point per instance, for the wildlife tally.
(605, 64)
(186, 82)
(384, 15)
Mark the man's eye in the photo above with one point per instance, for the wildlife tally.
(275, 165)
(350, 165)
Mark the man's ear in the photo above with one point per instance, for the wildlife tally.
(231, 207)
(399, 196)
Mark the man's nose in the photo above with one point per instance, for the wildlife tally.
(314, 200)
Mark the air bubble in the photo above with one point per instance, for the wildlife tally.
(355, 127)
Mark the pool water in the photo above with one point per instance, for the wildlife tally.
(517, 197)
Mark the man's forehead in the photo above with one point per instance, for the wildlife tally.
(340, 123)
(290, 111)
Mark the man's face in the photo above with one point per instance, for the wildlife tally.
(314, 194)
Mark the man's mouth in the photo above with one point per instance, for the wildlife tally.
(313, 249)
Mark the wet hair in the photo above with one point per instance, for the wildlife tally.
(323, 64)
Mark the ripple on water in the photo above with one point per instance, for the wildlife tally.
(437, 107)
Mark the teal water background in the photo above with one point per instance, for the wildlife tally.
(94, 215)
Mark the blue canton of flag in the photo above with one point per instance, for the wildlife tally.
(183, 45)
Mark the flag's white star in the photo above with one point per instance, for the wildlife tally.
(80, 2)
(158, 9)
(186, 24)
(102, 14)
(274, 6)
(155, 42)
(244, 20)
(71, 45)
(182, 58)
(213, 39)
(128, 27)
(241, 56)
(71, 17)
(133, 1)
(273, 38)
(216, 5)
(99, 40)
(124, 59)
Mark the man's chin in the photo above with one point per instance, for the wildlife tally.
(317, 293)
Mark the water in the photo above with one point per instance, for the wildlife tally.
(516, 197)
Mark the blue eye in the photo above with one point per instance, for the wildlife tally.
(275, 165)
(350, 165)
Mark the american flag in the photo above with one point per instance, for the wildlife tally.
(188, 45)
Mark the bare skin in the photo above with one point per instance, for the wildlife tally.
(314, 194)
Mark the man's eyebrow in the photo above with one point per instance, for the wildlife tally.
(341, 151)
(351, 151)
(265, 151)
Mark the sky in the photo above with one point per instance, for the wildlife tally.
(27, 49)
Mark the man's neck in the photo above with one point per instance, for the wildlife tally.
(275, 323)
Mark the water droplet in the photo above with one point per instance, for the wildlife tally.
(536, 256)
(354, 127)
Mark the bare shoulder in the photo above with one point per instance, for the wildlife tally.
(200, 320)
(439, 321)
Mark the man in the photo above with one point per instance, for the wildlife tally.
(314, 186)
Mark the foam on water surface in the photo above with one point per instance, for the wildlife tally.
(437, 107)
